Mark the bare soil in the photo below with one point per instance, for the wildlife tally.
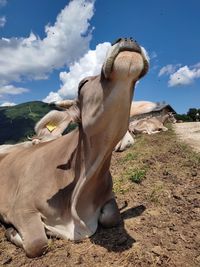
(160, 223)
(189, 132)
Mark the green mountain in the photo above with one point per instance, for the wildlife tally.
(17, 122)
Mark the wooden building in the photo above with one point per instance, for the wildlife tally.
(160, 109)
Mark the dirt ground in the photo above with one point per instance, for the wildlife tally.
(158, 180)
(189, 132)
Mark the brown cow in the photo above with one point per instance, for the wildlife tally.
(151, 125)
(64, 186)
(137, 108)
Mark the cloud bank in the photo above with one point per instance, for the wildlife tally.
(7, 104)
(89, 64)
(168, 69)
(180, 75)
(34, 58)
(12, 90)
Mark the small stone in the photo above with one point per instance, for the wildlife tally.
(79, 260)
(176, 196)
(194, 173)
(165, 173)
(198, 258)
(7, 260)
(157, 250)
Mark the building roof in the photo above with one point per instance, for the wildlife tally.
(161, 106)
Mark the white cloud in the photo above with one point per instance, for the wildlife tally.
(184, 76)
(66, 41)
(3, 2)
(181, 75)
(89, 64)
(7, 104)
(168, 69)
(52, 97)
(197, 65)
(12, 90)
(2, 21)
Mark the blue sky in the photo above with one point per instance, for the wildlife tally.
(47, 47)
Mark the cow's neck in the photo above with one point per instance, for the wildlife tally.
(95, 150)
(164, 118)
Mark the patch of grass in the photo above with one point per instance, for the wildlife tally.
(189, 153)
(136, 175)
(33, 115)
(156, 193)
(120, 187)
(184, 147)
(129, 156)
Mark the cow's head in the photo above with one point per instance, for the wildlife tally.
(122, 60)
(107, 98)
(103, 97)
(171, 118)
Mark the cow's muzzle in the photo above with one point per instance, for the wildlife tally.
(120, 45)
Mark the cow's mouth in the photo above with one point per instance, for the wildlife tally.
(123, 44)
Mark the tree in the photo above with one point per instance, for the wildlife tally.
(183, 117)
(192, 113)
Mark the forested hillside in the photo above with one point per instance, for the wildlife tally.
(17, 122)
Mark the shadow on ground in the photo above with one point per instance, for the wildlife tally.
(117, 239)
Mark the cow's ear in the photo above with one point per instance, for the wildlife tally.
(53, 123)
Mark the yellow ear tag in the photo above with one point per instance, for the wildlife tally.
(51, 126)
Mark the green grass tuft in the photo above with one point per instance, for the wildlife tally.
(136, 175)
(129, 156)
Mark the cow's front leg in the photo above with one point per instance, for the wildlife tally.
(110, 215)
(164, 129)
(31, 236)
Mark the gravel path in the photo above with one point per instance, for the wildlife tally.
(189, 132)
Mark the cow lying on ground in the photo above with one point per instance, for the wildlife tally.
(137, 108)
(64, 186)
(151, 125)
